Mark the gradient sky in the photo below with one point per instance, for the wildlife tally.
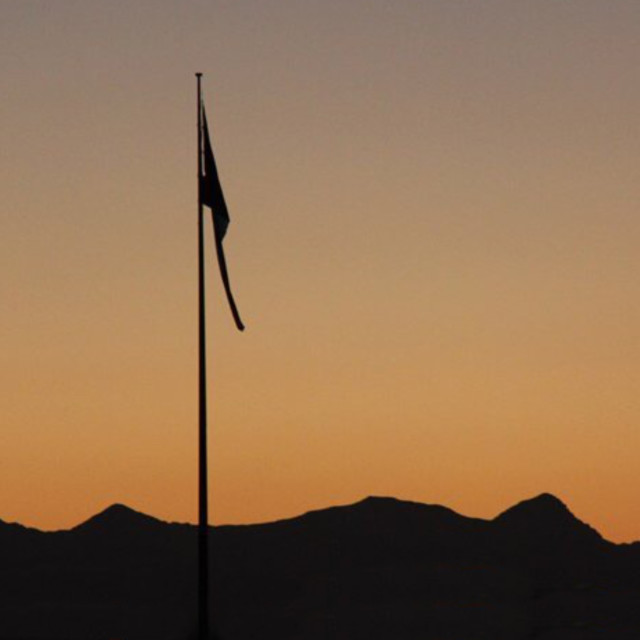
(434, 245)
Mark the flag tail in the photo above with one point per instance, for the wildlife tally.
(227, 286)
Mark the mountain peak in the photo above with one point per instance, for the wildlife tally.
(380, 500)
(545, 516)
(117, 517)
(543, 509)
(543, 503)
(383, 504)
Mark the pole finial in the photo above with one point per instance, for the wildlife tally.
(199, 74)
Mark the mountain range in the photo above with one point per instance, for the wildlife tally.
(380, 568)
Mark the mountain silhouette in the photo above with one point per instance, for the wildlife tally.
(545, 513)
(380, 568)
(117, 516)
(545, 524)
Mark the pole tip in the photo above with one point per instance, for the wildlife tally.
(199, 74)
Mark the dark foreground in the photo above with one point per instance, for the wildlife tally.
(379, 569)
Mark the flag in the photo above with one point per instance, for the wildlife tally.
(211, 196)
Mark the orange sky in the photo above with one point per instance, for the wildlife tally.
(434, 244)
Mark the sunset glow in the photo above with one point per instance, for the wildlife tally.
(434, 244)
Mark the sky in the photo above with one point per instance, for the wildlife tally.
(433, 243)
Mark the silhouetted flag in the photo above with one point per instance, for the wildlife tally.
(212, 197)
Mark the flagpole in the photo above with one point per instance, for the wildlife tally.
(203, 497)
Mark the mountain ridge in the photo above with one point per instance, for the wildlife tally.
(543, 504)
(377, 568)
